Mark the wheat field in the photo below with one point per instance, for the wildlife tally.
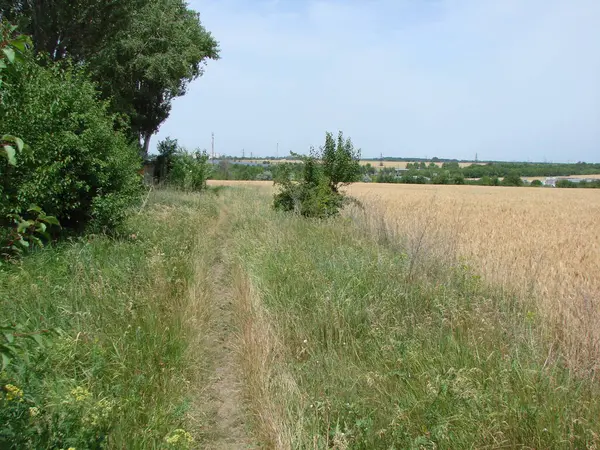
(543, 244)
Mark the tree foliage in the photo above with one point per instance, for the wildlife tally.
(341, 162)
(317, 193)
(17, 233)
(179, 168)
(141, 53)
(75, 165)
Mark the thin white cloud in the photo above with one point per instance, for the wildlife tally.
(507, 79)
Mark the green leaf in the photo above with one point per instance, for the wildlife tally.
(23, 226)
(51, 220)
(21, 42)
(10, 154)
(10, 54)
(38, 338)
(35, 208)
(9, 337)
(5, 361)
(20, 143)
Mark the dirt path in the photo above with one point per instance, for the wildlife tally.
(225, 399)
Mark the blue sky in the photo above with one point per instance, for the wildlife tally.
(506, 79)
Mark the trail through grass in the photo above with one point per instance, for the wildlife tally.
(219, 323)
(130, 362)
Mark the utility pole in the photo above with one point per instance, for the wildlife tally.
(212, 146)
(476, 157)
(277, 152)
(243, 154)
(381, 160)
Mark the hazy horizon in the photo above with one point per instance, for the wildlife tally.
(510, 81)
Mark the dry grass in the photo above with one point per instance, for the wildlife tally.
(259, 351)
(543, 243)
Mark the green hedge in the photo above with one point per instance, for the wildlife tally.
(75, 166)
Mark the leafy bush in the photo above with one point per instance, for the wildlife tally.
(167, 149)
(23, 233)
(267, 175)
(565, 184)
(512, 179)
(536, 183)
(19, 233)
(189, 171)
(341, 163)
(318, 194)
(75, 165)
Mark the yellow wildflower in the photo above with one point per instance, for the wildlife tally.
(80, 394)
(13, 393)
(34, 411)
(179, 436)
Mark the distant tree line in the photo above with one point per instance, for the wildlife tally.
(428, 172)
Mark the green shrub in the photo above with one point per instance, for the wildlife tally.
(167, 149)
(536, 183)
(75, 165)
(512, 179)
(189, 171)
(565, 184)
(308, 200)
(267, 175)
(341, 162)
(317, 194)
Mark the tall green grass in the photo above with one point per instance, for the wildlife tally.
(115, 369)
(354, 344)
(381, 357)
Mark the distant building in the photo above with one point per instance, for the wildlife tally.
(551, 181)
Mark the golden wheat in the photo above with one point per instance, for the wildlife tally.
(542, 243)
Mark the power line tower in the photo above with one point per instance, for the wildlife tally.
(243, 153)
(381, 160)
(277, 152)
(476, 159)
(212, 145)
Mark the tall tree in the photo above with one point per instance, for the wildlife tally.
(142, 53)
(70, 28)
(153, 61)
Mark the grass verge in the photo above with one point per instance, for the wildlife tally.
(121, 355)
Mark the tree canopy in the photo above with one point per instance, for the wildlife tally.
(141, 53)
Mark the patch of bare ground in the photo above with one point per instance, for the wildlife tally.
(224, 424)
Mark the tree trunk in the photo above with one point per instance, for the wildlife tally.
(146, 146)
